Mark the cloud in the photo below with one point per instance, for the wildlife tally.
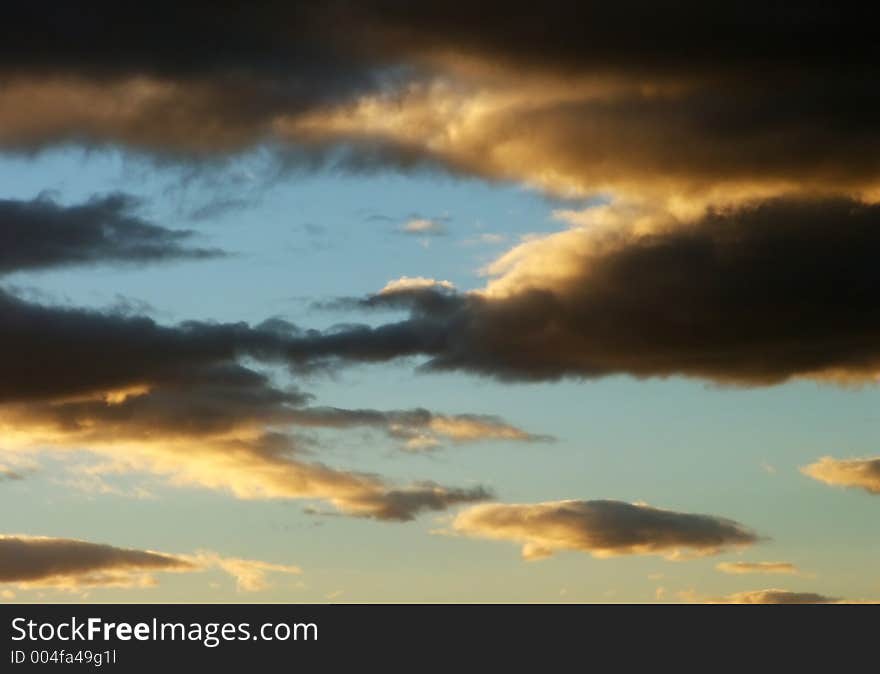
(405, 283)
(39, 562)
(747, 295)
(227, 399)
(30, 561)
(775, 596)
(861, 473)
(423, 227)
(250, 574)
(228, 428)
(600, 107)
(739, 568)
(40, 234)
(602, 528)
(174, 401)
(7, 473)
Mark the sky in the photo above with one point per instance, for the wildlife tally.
(363, 303)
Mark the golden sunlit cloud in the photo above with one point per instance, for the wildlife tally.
(652, 294)
(39, 562)
(739, 568)
(859, 473)
(776, 596)
(602, 528)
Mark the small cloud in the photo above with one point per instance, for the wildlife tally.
(424, 227)
(603, 528)
(406, 283)
(739, 568)
(861, 473)
(776, 596)
(37, 562)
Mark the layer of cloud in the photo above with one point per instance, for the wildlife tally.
(251, 575)
(859, 473)
(599, 107)
(9, 473)
(132, 75)
(40, 233)
(775, 596)
(232, 431)
(750, 295)
(740, 568)
(174, 401)
(39, 562)
(65, 563)
(602, 528)
(414, 283)
(423, 227)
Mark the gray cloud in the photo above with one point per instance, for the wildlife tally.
(174, 401)
(608, 96)
(602, 528)
(40, 234)
(774, 596)
(750, 295)
(25, 559)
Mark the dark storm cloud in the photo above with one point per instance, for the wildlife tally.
(7, 473)
(288, 41)
(223, 398)
(602, 528)
(638, 34)
(164, 37)
(40, 233)
(174, 401)
(38, 562)
(751, 295)
(689, 96)
(48, 352)
(203, 79)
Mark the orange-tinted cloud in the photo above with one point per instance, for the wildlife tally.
(31, 561)
(740, 568)
(859, 473)
(776, 596)
(744, 295)
(589, 110)
(39, 562)
(602, 528)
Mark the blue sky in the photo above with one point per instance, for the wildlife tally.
(674, 443)
(337, 302)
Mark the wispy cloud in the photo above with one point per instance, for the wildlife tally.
(860, 473)
(739, 568)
